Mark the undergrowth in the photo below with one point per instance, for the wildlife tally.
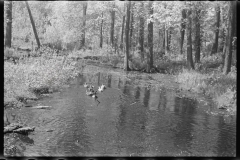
(222, 88)
(29, 75)
(49, 70)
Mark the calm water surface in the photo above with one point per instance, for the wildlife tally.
(130, 120)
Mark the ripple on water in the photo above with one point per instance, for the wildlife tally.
(130, 120)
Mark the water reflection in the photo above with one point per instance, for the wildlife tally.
(81, 79)
(126, 87)
(183, 133)
(137, 93)
(25, 139)
(109, 80)
(132, 120)
(119, 83)
(98, 75)
(226, 142)
(146, 97)
(162, 100)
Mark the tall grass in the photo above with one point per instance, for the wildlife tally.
(32, 74)
(192, 80)
(222, 88)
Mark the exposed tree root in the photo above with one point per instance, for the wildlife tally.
(17, 128)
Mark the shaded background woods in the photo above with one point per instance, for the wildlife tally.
(125, 28)
(189, 46)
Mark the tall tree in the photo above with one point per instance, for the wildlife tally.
(126, 66)
(163, 46)
(150, 37)
(166, 39)
(123, 22)
(215, 44)
(230, 34)
(84, 5)
(197, 35)
(33, 25)
(159, 38)
(223, 35)
(101, 32)
(189, 39)
(166, 47)
(141, 31)
(112, 12)
(8, 40)
(131, 26)
(169, 38)
(183, 26)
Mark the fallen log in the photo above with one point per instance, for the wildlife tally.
(24, 130)
(17, 128)
(133, 103)
(49, 130)
(11, 127)
(42, 107)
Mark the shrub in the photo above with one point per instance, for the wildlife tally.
(11, 53)
(34, 73)
(212, 59)
(192, 80)
(227, 99)
(114, 60)
(222, 88)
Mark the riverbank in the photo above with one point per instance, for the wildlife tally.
(132, 103)
(206, 79)
(31, 77)
(40, 75)
(28, 78)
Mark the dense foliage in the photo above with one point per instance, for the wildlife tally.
(153, 32)
(61, 22)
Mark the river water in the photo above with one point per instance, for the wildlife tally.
(127, 119)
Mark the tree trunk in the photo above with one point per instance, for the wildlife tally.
(8, 40)
(215, 44)
(131, 28)
(197, 36)
(150, 38)
(123, 22)
(33, 24)
(169, 38)
(224, 45)
(229, 40)
(141, 31)
(183, 27)
(126, 66)
(166, 40)
(221, 44)
(163, 47)
(159, 39)
(112, 25)
(84, 24)
(116, 40)
(189, 40)
(101, 32)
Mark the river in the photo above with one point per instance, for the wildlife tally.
(127, 119)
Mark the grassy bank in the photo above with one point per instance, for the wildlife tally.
(49, 72)
(208, 79)
(34, 75)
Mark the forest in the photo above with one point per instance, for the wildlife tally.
(140, 36)
(49, 43)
